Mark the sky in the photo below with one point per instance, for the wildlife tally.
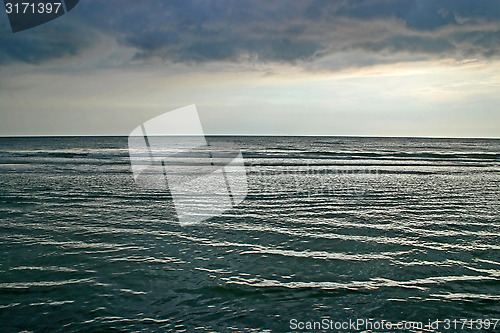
(270, 67)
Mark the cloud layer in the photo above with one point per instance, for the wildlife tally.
(313, 34)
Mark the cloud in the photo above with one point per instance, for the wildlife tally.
(418, 15)
(35, 46)
(263, 32)
(410, 44)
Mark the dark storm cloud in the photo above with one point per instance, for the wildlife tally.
(215, 31)
(419, 15)
(410, 44)
(268, 31)
(472, 43)
(35, 46)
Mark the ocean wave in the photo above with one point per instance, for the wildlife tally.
(373, 283)
(27, 285)
(374, 155)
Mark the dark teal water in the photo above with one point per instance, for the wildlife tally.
(338, 228)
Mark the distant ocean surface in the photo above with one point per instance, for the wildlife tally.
(336, 228)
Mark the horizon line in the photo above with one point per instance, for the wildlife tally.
(256, 135)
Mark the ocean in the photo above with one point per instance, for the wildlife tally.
(332, 230)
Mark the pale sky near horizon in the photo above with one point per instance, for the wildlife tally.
(368, 68)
